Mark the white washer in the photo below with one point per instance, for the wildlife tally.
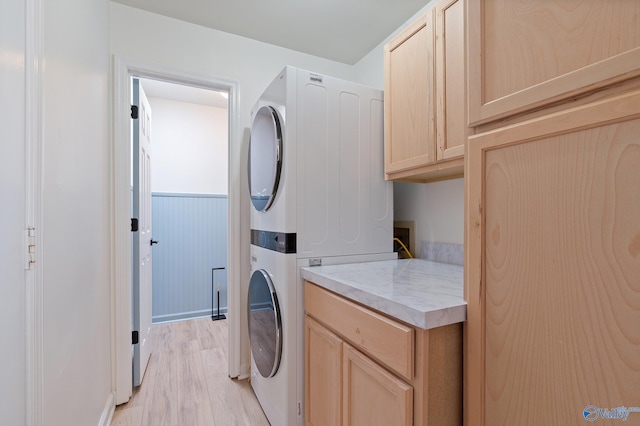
(316, 177)
(276, 328)
(272, 319)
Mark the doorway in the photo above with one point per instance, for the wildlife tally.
(189, 193)
(124, 70)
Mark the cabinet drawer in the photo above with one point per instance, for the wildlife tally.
(382, 338)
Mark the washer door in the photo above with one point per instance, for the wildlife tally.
(265, 157)
(265, 323)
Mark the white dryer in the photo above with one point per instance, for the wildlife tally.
(316, 165)
(316, 178)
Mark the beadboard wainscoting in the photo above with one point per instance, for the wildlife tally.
(192, 234)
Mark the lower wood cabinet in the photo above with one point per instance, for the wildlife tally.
(344, 386)
(371, 395)
(363, 368)
(323, 381)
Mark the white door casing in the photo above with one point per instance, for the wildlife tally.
(123, 70)
(142, 238)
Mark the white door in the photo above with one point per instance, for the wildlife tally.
(142, 238)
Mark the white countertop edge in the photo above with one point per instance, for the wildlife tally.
(438, 317)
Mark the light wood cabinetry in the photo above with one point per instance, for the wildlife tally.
(323, 350)
(425, 96)
(524, 54)
(553, 266)
(372, 395)
(451, 94)
(389, 341)
(365, 368)
(552, 236)
(409, 106)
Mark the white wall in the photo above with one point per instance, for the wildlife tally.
(75, 254)
(190, 147)
(437, 208)
(170, 43)
(176, 44)
(70, 205)
(370, 69)
(12, 213)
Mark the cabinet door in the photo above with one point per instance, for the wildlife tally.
(553, 267)
(524, 54)
(371, 395)
(409, 107)
(452, 130)
(323, 365)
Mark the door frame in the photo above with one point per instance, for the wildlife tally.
(123, 70)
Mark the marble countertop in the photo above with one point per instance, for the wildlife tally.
(419, 292)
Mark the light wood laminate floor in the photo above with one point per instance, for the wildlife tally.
(186, 381)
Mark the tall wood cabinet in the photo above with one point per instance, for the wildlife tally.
(552, 239)
(553, 284)
(425, 96)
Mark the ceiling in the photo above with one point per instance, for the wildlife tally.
(339, 30)
(182, 93)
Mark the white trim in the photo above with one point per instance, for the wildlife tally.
(245, 371)
(188, 315)
(234, 250)
(34, 131)
(123, 70)
(107, 412)
(122, 371)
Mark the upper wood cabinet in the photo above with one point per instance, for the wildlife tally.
(451, 94)
(526, 54)
(553, 266)
(425, 96)
(409, 107)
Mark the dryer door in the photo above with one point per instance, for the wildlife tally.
(265, 157)
(265, 323)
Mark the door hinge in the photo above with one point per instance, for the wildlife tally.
(30, 247)
(134, 337)
(134, 111)
(134, 224)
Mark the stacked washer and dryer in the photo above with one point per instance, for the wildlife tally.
(316, 177)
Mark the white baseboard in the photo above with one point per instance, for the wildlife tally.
(107, 413)
(245, 371)
(186, 315)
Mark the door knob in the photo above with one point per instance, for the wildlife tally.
(153, 242)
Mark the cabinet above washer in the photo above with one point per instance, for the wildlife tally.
(425, 97)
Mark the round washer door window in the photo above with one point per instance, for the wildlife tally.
(265, 157)
(265, 323)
